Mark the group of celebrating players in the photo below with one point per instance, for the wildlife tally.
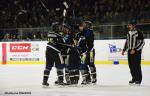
(72, 53)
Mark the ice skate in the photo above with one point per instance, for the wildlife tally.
(45, 84)
(94, 81)
(131, 82)
(84, 82)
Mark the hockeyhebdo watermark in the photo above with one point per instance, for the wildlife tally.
(19, 93)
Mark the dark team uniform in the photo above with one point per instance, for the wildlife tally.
(72, 61)
(135, 40)
(86, 43)
(53, 56)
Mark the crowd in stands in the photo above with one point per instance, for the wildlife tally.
(41, 13)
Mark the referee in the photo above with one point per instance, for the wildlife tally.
(133, 45)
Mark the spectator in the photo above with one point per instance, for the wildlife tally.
(32, 13)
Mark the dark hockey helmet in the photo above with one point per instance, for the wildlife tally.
(67, 26)
(88, 23)
(132, 21)
(55, 26)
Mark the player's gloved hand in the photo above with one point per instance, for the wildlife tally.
(91, 56)
(83, 57)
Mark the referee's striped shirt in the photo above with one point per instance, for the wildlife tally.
(135, 40)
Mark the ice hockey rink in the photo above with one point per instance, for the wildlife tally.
(112, 81)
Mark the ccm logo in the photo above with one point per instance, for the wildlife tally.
(17, 47)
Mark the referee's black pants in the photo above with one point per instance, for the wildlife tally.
(134, 61)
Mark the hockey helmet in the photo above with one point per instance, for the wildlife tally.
(132, 21)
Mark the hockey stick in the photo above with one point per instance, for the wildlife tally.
(65, 11)
(67, 45)
(44, 5)
(65, 4)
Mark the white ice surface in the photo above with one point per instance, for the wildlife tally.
(112, 81)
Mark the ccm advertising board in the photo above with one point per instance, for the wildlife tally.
(0, 53)
(109, 52)
(24, 52)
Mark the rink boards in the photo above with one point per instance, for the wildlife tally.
(33, 52)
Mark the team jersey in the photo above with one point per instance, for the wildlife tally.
(55, 40)
(85, 40)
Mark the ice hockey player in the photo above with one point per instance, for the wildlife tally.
(53, 56)
(73, 57)
(86, 44)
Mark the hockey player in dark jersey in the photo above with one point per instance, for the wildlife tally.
(73, 57)
(86, 44)
(53, 56)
